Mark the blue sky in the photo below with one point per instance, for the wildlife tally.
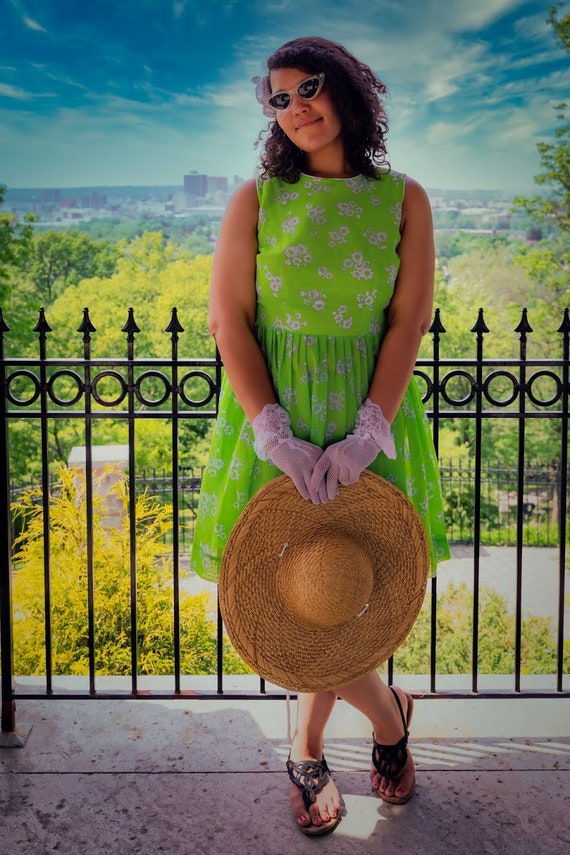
(143, 91)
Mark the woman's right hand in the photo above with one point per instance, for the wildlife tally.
(297, 459)
(274, 441)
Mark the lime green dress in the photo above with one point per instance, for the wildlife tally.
(326, 269)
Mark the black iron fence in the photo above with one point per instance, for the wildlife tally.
(499, 500)
(502, 502)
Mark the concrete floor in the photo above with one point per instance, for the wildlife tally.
(200, 776)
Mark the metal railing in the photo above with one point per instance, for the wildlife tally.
(46, 390)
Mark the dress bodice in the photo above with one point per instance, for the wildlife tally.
(327, 260)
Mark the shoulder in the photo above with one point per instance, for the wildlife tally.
(246, 195)
(414, 192)
(243, 207)
(416, 203)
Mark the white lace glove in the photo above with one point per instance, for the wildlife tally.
(274, 441)
(344, 462)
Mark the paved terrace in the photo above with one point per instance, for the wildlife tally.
(206, 776)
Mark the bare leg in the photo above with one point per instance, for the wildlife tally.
(313, 712)
(374, 699)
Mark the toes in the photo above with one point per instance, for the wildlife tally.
(303, 818)
(316, 817)
(322, 811)
(406, 782)
(301, 814)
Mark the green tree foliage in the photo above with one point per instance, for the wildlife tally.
(153, 276)
(482, 275)
(112, 615)
(15, 242)
(502, 276)
(548, 266)
(62, 258)
(196, 233)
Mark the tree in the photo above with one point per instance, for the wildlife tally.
(555, 157)
(59, 259)
(15, 241)
(561, 25)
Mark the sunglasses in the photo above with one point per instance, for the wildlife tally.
(307, 89)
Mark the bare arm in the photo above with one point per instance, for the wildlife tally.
(410, 310)
(233, 303)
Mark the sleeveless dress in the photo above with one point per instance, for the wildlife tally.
(326, 269)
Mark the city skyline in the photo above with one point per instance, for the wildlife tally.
(145, 92)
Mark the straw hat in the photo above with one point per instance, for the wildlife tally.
(315, 596)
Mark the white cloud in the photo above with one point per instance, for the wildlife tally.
(467, 15)
(33, 25)
(8, 91)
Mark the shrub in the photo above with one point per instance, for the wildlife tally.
(68, 588)
(496, 638)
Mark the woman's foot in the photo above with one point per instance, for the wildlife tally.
(324, 813)
(393, 773)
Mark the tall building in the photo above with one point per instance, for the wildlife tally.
(195, 184)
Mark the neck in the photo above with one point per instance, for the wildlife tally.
(330, 163)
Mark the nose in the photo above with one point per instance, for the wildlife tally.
(298, 104)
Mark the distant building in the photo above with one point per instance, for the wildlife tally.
(94, 200)
(217, 184)
(50, 197)
(195, 184)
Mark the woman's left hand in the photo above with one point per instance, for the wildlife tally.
(341, 463)
(344, 462)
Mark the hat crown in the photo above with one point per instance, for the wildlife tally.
(325, 580)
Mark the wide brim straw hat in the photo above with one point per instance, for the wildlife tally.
(315, 596)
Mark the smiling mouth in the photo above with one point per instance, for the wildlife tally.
(309, 122)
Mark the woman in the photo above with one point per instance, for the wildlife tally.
(322, 289)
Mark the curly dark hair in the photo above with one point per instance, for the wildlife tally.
(356, 93)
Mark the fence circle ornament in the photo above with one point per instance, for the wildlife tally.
(12, 397)
(541, 402)
(503, 402)
(65, 402)
(112, 402)
(153, 402)
(201, 375)
(458, 402)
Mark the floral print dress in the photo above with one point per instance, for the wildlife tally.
(326, 268)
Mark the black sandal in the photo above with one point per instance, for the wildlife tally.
(311, 776)
(389, 760)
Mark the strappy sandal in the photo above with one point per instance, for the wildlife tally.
(389, 760)
(311, 776)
